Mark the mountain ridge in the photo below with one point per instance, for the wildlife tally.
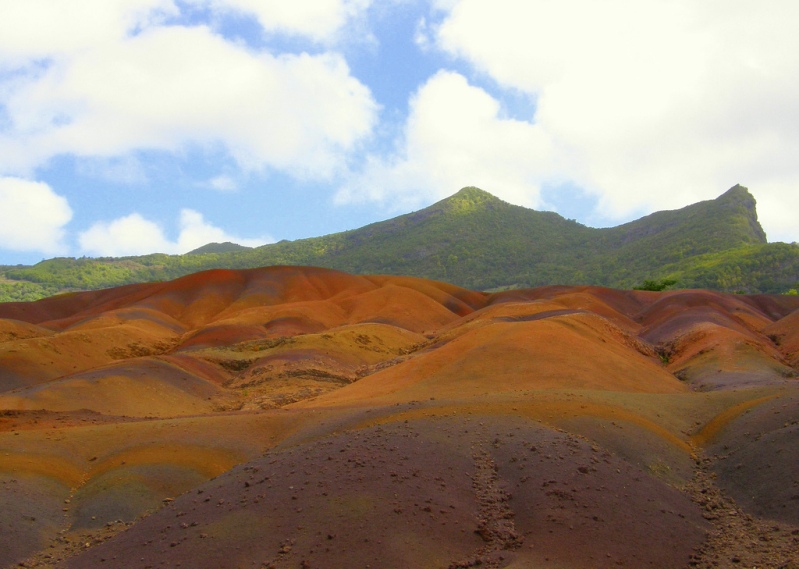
(476, 240)
(215, 247)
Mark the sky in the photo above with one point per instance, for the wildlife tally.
(130, 127)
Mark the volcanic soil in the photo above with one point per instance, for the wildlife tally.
(292, 417)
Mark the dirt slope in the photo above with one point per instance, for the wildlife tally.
(302, 417)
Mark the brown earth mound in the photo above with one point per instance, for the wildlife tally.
(448, 492)
(397, 422)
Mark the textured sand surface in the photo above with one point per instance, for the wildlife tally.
(301, 417)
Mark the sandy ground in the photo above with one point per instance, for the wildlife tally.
(297, 417)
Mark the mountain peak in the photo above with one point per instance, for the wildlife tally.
(469, 199)
(739, 198)
(737, 191)
(218, 248)
(738, 195)
(473, 193)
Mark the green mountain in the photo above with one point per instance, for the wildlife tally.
(476, 240)
(226, 247)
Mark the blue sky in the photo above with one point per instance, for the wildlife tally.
(138, 126)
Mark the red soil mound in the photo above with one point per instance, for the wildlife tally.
(402, 307)
(142, 387)
(15, 330)
(30, 515)
(37, 360)
(785, 334)
(410, 424)
(442, 493)
(713, 350)
(61, 310)
(143, 318)
(758, 452)
(222, 335)
(677, 311)
(628, 303)
(716, 341)
(572, 351)
(620, 307)
(302, 317)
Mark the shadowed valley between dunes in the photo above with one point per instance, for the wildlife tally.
(292, 417)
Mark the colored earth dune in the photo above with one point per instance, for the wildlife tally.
(294, 417)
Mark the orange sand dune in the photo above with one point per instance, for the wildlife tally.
(223, 335)
(351, 346)
(143, 318)
(774, 306)
(16, 330)
(711, 356)
(272, 372)
(271, 321)
(507, 311)
(402, 307)
(205, 297)
(458, 300)
(572, 351)
(37, 360)
(405, 423)
(620, 307)
(626, 302)
(142, 387)
(785, 334)
(61, 310)
(213, 295)
(675, 311)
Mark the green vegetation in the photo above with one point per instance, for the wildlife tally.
(226, 247)
(476, 240)
(12, 291)
(656, 285)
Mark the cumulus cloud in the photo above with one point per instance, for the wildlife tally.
(456, 136)
(32, 216)
(129, 235)
(39, 29)
(317, 19)
(650, 104)
(196, 232)
(135, 84)
(135, 235)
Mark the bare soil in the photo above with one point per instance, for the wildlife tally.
(299, 417)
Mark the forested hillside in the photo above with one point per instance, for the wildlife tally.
(476, 240)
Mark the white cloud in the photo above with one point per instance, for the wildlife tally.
(169, 88)
(47, 28)
(32, 216)
(421, 36)
(651, 104)
(223, 184)
(135, 235)
(36, 29)
(129, 235)
(196, 232)
(319, 20)
(455, 136)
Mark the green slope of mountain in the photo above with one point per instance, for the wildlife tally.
(226, 247)
(476, 240)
